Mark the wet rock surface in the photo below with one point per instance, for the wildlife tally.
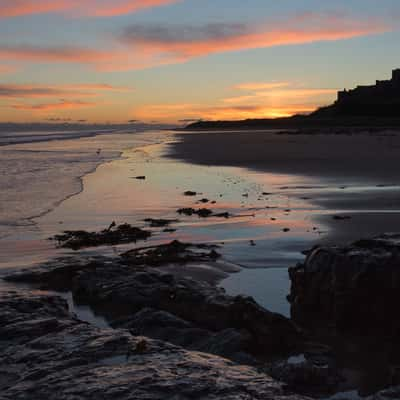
(120, 291)
(354, 288)
(46, 353)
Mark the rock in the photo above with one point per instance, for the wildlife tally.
(303, 375)
(68, 359)
(119, 291)
(190, 193)
(201, 212)
(355, 288)
(114, 235)
(229, 343)
(174, 252)
(387, 394)
(160, 223)
(222, 215)
(341, 217)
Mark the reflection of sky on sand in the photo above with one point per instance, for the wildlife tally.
(256, 235)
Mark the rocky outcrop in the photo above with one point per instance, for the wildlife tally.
(46, 353)
(157, 304)
(355, 288)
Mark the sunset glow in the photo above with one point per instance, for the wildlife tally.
(114, 61)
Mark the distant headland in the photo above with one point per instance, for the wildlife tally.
(373, 105)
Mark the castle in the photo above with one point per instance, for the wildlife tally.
(381, 99)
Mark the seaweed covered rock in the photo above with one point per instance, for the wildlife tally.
(355, 288)
(201, 212)
(175, 252)
(113, 235)
(46, 353)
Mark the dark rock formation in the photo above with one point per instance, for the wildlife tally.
(355, 288)
(160, 222)
(46, 353)
(201, 212)
(190, 193)
(229, 343)
(175, 252)
(113, 235)
(119, 292)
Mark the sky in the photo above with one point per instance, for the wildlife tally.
(177, 61)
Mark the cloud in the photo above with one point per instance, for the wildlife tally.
(182, 43)
(90, 8)
(44, 107)
(284, 96)
(35, 91)
(261, 85)
(144, 46)
(194, 112)
(7, 69)
(118, 59)
(283, 99)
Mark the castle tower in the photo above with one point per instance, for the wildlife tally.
(396, 77)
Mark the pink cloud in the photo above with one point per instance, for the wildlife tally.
(100, 8)
(44, 107)
(7, 69)
(143, 46)
(184, 43)
(10, 91)
(261, 85)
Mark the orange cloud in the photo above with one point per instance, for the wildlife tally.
(61, 105)
(99, 8)
(7, 69)
(282, 100)
(36, 91)
(176, 112)
(261, 85)
(283, 96)
(144, 46)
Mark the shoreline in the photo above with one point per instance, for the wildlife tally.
(76, 181)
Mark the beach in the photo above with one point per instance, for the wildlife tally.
(278, 208)
(263, 210)
(354, 171)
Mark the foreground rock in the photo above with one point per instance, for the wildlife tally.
(355, 288)
(148, 301)
(46, 353)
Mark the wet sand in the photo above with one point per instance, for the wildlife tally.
(358, 173)
(358, 157)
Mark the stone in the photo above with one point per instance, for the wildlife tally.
(119, 291)
(67, 359)
(355, 288)
(113, 235)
